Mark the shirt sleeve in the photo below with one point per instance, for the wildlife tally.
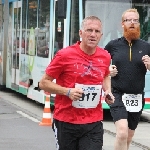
(108, 47)
(55, 68)
(109, 62)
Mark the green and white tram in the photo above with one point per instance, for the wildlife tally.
(32, 31)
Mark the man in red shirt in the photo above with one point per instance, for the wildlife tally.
(81, 72)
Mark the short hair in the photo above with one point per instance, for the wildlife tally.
(129, 10)
(89, 18)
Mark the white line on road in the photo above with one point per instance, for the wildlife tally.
(27, 116)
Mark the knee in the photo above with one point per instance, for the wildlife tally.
(122, 135)
(130, 134)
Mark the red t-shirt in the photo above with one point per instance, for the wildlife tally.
(71, 65)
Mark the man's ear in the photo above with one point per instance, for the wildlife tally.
(80, 33)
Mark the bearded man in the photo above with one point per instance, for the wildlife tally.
(130, 60)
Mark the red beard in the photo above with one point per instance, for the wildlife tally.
(132, 34)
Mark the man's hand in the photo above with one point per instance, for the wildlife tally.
(146, 61)
(113, 70)
(75, 93)
(109, 98)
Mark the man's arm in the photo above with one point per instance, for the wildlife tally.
(107, 84)
(148, 67)
(47, 85)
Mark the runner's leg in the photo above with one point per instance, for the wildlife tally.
(92, 136)
(121, 134)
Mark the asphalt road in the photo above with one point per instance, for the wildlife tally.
(20, 129)
(19, 125)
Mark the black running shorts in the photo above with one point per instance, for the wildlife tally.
(118, 111)
(78, 136)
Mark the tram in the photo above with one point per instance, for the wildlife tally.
(32, 31)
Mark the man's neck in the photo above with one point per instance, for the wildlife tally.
(87, 49)
(129, 40)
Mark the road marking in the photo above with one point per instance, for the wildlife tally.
(27, 116)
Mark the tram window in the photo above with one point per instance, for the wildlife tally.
(111, 27)
(31, 25)
(22, 46)
(42, 36)
(24, 10)
(16, 35)
(42, 47)
(74, 30)
(43, 40)
(59, 29)
(16, 53)
(32, 14)
(62, 8)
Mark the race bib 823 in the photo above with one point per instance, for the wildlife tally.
(132, 102)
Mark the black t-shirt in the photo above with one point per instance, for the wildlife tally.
(131, 69)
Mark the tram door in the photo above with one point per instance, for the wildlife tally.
(16, 41)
